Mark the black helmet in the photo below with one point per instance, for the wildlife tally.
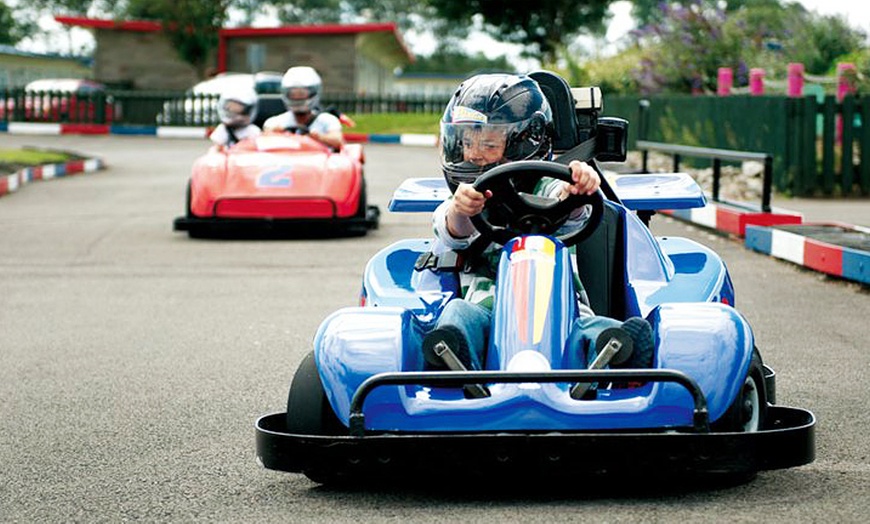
(512, 105)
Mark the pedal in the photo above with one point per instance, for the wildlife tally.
(614, 345)
(449, 358)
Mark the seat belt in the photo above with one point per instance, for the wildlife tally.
(457, 261)
(583, 151)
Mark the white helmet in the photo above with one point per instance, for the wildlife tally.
(237, 106)
(300, 89)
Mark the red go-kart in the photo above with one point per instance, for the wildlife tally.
(278, 182)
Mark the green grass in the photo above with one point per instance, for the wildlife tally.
(395, 123)
(12, 160)
(32, 157)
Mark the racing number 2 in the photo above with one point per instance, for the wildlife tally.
(278, 177)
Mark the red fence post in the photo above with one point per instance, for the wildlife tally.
(845, 80)
(756, 81)
(725, 80)
(795, 80)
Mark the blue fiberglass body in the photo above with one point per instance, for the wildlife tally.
(680, 286)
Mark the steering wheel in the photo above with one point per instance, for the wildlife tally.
(526, 213)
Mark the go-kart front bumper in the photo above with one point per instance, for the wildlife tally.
(786, 440)
(217, 226)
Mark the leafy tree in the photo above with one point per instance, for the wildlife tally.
(190, 25)
(822, 40)
(450, 61)
(14, 28)
(544, 27)
(647, 12)
(684, 51)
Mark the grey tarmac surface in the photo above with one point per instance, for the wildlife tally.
(134, 361)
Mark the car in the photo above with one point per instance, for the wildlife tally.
(198, 106)
(63, 100)
(279, 182)
(361, 408)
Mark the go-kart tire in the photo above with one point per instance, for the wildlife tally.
(187, 212)
(362, 211)
(193, 232)
(748, 412)
(309, 413)
(308, 410)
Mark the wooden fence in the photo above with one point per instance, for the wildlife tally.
(818, 148)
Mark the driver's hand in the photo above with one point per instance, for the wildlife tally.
(467, 201)
(586, 180)
(315, 135)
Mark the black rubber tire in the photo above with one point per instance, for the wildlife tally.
(748, 412)
(308, 410)
(309, 413)
(363, 201)
(187, 211)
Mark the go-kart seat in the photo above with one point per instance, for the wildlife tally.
(601, 265)
(600, 258)
(267, 107)
(558, 94)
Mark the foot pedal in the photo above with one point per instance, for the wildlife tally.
(613, 345)
(440, 352)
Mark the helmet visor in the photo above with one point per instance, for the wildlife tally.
(470, 149)
(300, 99)
(235, 113)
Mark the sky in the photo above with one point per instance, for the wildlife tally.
(857, 13)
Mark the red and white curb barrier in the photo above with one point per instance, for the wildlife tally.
(11, 183)
(733, 219)
(812, 246)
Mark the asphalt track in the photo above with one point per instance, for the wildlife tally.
(134, 361)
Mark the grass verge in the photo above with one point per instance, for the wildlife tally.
(12, 160)
(395, 123)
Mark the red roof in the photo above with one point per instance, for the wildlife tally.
(147, 26)
(121, 25)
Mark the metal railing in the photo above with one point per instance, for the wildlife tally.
(717, 156)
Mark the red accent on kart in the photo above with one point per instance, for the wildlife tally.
(274, 208)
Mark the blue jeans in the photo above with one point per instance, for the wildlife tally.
(474, 322)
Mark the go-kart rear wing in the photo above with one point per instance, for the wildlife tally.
(638, 192)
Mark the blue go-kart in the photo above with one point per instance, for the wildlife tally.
(362, 407)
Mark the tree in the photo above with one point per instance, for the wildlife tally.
(14, 28)
(646, 12)
(190, 25)
(544, 26)
(685, 49)
(450, 61)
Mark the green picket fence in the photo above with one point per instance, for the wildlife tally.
(818, 148)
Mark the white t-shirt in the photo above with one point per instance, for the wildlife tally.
(323, 123)
(221, 137)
